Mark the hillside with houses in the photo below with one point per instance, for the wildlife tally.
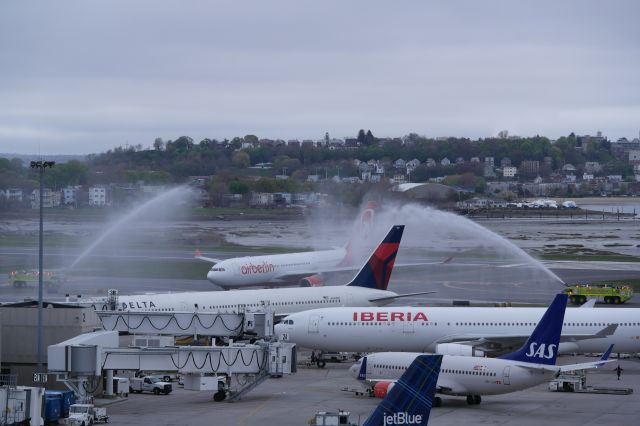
(253, 172)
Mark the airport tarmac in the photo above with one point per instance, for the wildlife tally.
(292, 400)
(470, 261)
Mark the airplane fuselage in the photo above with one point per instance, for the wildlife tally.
(459, 375)
(280, 301)
(422, 329)
(277, 269)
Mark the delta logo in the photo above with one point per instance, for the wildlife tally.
(141, 304)
(401, 418)
(264, 268)
(389, 316)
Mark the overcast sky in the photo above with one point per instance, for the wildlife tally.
(84, 77)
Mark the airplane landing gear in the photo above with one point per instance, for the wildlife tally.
(474, 399)
(437, 401)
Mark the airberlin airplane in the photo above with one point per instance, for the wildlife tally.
(532, 364)
(368, 288)
(305, 269)
(456, 330)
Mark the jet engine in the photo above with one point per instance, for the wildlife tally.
(457, 349)
(312, 281)
(381, 389)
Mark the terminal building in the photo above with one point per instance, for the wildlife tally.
(19, 334)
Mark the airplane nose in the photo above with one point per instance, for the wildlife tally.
(210, 276)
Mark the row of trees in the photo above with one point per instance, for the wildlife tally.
(175, 160)
(15, 174)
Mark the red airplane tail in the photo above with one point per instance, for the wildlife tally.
(360, 234)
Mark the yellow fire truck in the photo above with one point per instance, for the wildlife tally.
(614, 294)
(51, 280)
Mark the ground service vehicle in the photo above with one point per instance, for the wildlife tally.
(51, 280)
(87, 414)
(57, 404)
(150, 384)
(578, 294)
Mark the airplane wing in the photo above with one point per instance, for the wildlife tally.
(499, 343)
(389, 298)
(584, 365)
(209, 259)
(298, 275)
(198, 255)
(573, 367)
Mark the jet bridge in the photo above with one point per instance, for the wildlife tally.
(230, 371)
(256, 324)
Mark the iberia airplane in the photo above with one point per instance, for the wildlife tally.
(456, 330)
(534, 363)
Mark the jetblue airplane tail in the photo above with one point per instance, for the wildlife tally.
(542, 345)
(410, 400)
(376, 272)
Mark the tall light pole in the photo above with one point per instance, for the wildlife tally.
(41, 165)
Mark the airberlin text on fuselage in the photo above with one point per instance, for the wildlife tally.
(250, 268)
(389, 316)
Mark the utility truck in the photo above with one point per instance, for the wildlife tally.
(87, 414)
(149, 384)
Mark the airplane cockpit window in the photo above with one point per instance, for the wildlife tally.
(217, 269)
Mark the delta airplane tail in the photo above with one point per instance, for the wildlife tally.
(542, 345)
(411, 399)
(375, 274)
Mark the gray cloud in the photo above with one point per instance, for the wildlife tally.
(80, 77)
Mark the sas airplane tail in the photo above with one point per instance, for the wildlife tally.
(375, 274)
(542, 345)
(411, 399)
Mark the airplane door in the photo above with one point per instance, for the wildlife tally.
(505, 375)
(314, 321)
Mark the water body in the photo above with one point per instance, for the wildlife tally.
(629, 205)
